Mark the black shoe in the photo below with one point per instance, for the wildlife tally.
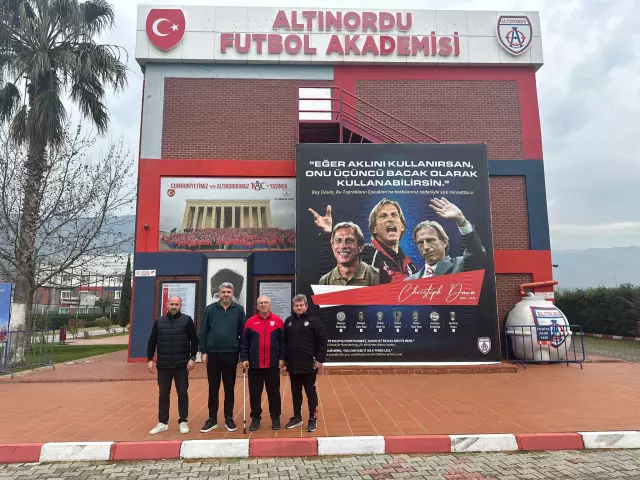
(230, 424)
(313, 424)
(255, 424)
(209, 425)
(294, 422)
(275, 423)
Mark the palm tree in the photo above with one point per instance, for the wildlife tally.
(48, 50)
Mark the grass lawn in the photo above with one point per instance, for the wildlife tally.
(67, 353)
(103, 335)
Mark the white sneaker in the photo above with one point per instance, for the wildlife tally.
(184, 428)
(159, 428)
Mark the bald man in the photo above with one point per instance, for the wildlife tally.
(174, 335)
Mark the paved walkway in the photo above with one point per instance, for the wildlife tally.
(560, 465)
(551, 398)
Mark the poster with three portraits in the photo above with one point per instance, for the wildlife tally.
(395, 252)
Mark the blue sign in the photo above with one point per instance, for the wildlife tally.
(5, 309)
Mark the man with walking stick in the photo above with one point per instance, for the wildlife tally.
(305, 352)
(262, 352)
(220, 332)
(174, 336)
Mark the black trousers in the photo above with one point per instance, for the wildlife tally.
(221, 366)
(269, 378)
(181, 378)
(308, 381)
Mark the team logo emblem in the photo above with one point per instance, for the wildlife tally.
(165, 27)
(341, 316)
(558, 335)
(306, 324)
(272, 323)
(515, 33)
(434, 316)
(484, 344)
(286, 193)
(171, 192)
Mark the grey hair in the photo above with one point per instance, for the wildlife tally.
(300, 298)
(264, 296)
(426, 224)
(225, 285)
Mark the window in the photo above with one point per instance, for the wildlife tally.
(86, 279)
(65, 294)
(83, 310)
(63, 311)
(117, 295)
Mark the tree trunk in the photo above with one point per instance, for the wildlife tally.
(25, 274)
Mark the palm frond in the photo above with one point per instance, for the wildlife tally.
(90, 104)
(98, 16)
(9, 101)
(18, 130)
(47, 116)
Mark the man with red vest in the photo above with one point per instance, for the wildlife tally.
(262, 352)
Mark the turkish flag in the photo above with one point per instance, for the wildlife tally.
(165, 27)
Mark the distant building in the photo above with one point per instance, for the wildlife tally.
(92, 288)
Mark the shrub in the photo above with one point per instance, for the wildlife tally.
(608, 311)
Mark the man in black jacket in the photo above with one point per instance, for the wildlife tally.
(305, 352)
(174, 335)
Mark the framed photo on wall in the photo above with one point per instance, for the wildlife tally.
(280, 288)
(187, 288)
(232, 270)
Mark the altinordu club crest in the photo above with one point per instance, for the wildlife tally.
(514, 33)
(165, 27)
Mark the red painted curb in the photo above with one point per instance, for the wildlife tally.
(283, 447)
(549, 441)
(418, 444)
(20, 452)
(167, 450)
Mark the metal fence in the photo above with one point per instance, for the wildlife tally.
(76, 298)
(27, 350)
(544, 344)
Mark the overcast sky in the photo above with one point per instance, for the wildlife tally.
(589, 94)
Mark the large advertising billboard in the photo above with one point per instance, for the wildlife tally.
(221, 214)
(395, 251)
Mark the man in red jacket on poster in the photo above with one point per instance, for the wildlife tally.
(262, 352)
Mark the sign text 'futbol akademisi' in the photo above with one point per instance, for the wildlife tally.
(368, 25)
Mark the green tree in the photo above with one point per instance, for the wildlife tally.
(48, 50)
(125, 296)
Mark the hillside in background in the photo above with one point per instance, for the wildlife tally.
(595, 267)
(576, 268)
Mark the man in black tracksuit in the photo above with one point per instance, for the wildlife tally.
(174, 335)
(305, 352)
(220, 331)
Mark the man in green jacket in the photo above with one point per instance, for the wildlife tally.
(220, 331)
